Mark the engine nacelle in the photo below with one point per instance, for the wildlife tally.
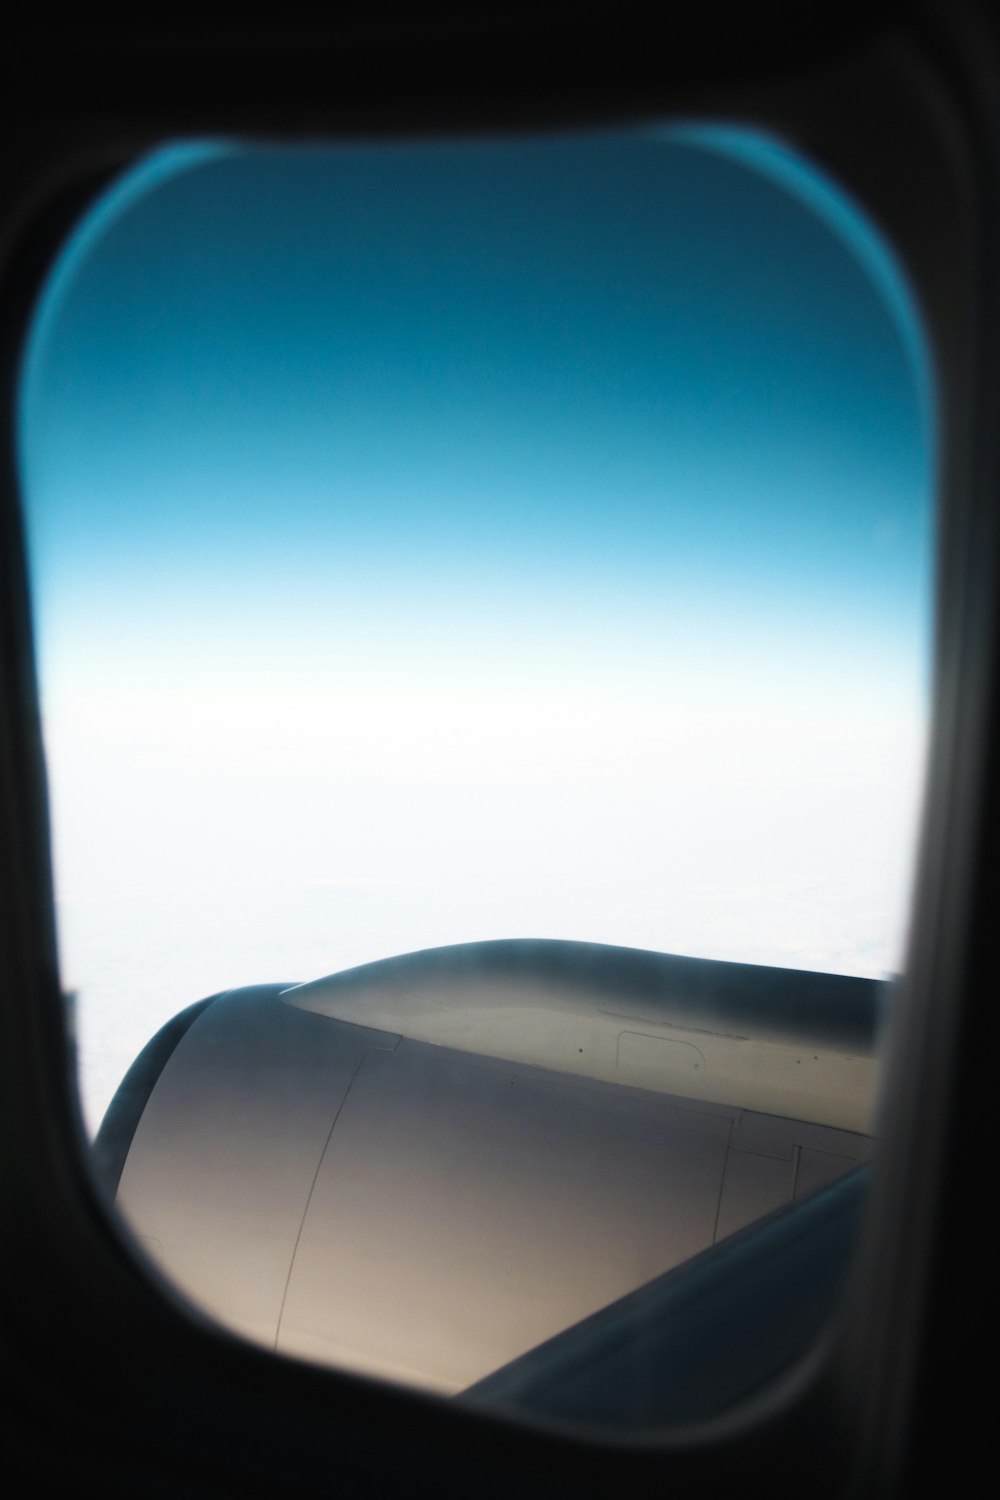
(424, 1167)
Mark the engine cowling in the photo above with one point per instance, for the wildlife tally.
(424, 1167)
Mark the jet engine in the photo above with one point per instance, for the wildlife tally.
(424, 1167)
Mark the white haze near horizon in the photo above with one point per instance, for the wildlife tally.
(208, 836)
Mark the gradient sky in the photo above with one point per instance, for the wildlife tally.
(444, 542)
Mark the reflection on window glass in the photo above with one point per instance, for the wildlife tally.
(485, 587)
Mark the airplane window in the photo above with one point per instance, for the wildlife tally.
(483, 604)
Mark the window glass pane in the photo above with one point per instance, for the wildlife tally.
(518, 549)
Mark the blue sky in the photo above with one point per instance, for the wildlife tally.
(619, 365)
(547, 520)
